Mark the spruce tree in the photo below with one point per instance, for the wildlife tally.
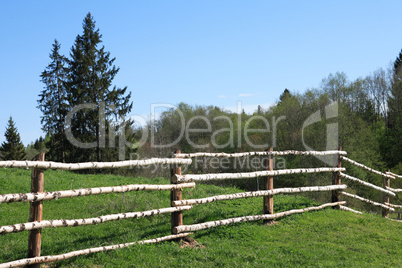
(53, 104)
(91, 72)
(12, 148)
(398, 63)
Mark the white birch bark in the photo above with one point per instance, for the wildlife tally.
(247, 175)
(394, 220)
(349, 209)
(257, 194)
(30, 197)
(343, 175)
(393, 190)
(366, 168)
(92, 165)
(263, 153)
(393, 174)
(210, 224)
(392, 205)
(44, 259)
(367, 201)
(89, 221)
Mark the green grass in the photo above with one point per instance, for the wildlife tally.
(324, 238)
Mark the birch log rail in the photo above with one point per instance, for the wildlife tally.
(89, 221)
(393, 190)
(44, 259)
(366, 168)
(247, 175)
(394, 175)
(367, 201)
(262, 153)
(210, 224)
(92, 165)
(393, 206)
(29, 197)
(343, 175)
(349, 209)
(257, 194)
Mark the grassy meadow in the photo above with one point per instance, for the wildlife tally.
(324, 238)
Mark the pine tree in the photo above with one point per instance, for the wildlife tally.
(285, 95)
(90, 82)
(53, 104)
(12, 148)
(398, 63)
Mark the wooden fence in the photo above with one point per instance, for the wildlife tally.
(179, 182)
(386, 190)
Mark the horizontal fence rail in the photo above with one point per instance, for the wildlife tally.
(92, 165)
(247, 175)
(343, 175)
(393, 190)
(349, 209)
(45, 259)
(392, 205)
(263, 153)
(30, 197)
(366, 168)
(393, 174)
(258, 194)
(367, 201)
(386, 189)
(210, 224)
(89, 221)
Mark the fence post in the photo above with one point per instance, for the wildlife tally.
(36, 211)
(385, 197)
(269, 185)
(336, 180)
(175, 195)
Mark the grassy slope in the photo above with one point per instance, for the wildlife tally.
(323, 238)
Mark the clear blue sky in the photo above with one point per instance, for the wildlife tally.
(198, 52)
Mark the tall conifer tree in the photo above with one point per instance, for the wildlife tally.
(398, 63)
(90, 82)
(12, 148)
(53, 104)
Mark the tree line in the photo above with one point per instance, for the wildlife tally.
(368, 116)
(367, 121)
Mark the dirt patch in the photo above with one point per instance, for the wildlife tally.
(271, 223)
(189, 242)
